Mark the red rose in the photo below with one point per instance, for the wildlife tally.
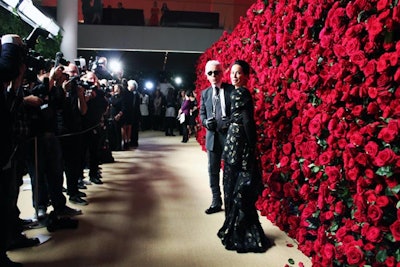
(362, 159)
(395, 229)
(391, 262)
(383, 80)
(354, 256)
(369, 247)
(356, 139)
(352, 174)
(387, 135)
(287, 148)
(284, 161)
(370, 68)
(315, 126)
(351, 10)
(385, 157)
(374, 27)
(358, 58)
(357, 110)
(371, 148)
(369, 173)
(382, 201)
(310, 150)
(375, 214)
(373, 108)
(372, 92)
(374, 234)
(382, 4)
(328, 251)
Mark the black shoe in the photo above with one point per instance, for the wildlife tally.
(81, 185)
(67, 212)
(213, 209)
(41, 214)
(22, 241)
(96, 180)
(6, 262)
(78, 200)
(79, 194)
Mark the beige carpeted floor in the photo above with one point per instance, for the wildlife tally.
(150, 212)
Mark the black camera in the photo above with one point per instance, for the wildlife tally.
(32, 59)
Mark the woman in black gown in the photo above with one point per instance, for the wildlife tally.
(242, 183)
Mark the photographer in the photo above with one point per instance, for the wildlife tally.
(69, 131)
(49, 155)
(11, 69)
(97, 105)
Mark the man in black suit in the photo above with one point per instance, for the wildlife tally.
(214, 114)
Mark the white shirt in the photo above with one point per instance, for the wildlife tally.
(221, 98)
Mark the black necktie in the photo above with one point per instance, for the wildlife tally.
(218, 111)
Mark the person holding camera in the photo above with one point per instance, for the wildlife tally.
(215, 106)
(11, 68)
(69, 131)
(97, 105)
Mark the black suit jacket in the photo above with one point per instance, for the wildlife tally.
(206, 110)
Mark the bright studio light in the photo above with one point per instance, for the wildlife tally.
(178, 80)
(115, 66)
(149, 85)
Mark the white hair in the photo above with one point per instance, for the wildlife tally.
(211, 63)
(132, 83)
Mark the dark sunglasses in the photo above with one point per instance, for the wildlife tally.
(216, 72)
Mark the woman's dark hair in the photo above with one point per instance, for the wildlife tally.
(245, 66)
(189, 93)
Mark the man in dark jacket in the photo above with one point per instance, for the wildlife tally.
(11, 69)
(215, 108)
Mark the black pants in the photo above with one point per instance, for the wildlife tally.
(72, 150)
(91, 146)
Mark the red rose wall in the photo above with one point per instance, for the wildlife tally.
(327, 99)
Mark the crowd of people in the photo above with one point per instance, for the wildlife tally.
(59, 121)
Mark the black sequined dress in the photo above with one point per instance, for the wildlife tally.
(241, 230)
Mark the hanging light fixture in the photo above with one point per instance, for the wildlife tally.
(31, 15)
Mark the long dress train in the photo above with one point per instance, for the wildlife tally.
(241, 230)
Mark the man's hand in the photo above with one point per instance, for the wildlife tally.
(33, 101)
(211, 124)
(11, 39)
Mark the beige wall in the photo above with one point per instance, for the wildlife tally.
(229, 10)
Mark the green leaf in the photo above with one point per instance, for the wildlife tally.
(397, 254)
(396, 189)
(360, 15)
(291, 261)
(381, 255)
(398, 205)
(385, 171)
(316, 169)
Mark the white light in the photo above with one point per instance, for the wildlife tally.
(178, 80)
(28, 10)
(115, 66)
(149, 85)
(31, 15)
(11, 3)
